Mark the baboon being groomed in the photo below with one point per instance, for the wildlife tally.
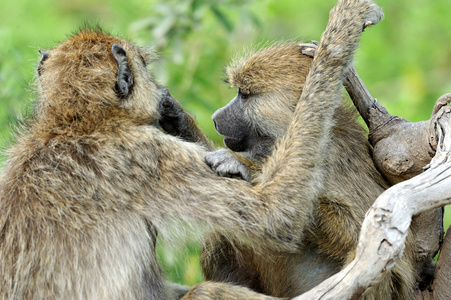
(269, 83)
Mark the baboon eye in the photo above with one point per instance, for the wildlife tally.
(244, 95)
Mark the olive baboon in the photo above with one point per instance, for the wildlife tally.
(269, 84)
(91, 179)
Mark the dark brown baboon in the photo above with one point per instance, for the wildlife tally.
(269, 84)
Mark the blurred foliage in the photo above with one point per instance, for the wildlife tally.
(405, 60)
(172, 22)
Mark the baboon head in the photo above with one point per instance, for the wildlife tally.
(269, 85)
(92, 80)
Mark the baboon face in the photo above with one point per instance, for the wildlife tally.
(238, 134)
(269, 85)
(94, 78)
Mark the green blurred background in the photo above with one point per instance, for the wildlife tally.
(405, 60)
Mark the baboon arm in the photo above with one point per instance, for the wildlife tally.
(176, 183)
(176, 179)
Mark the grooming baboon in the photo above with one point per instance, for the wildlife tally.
(269, 84)
(91, 179)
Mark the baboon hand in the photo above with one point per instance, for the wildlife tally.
(366, 10)
(226, 164)
(172, 114)
(374, 13)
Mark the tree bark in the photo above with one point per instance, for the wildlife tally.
(401, 148)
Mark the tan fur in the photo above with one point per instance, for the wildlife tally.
(348, 180)
(91, 181)
(274, 64)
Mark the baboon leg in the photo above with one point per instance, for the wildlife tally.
(215, 290)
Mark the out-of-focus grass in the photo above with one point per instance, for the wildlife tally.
(405, 60)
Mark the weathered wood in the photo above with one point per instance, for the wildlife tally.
(428, 237)
(401, 151)
(401, 148)
(360, 96)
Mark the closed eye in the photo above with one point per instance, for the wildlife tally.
(244, 95)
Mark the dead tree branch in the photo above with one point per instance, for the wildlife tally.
(401, 148)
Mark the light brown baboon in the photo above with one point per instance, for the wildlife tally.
(269, 84)
(92, 180)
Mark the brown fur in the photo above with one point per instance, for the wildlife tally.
(92, 180)
(273, 80)
(276, 64)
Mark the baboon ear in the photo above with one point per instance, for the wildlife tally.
(124, 76)
(44, 56)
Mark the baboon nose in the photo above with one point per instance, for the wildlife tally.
(214, 116)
